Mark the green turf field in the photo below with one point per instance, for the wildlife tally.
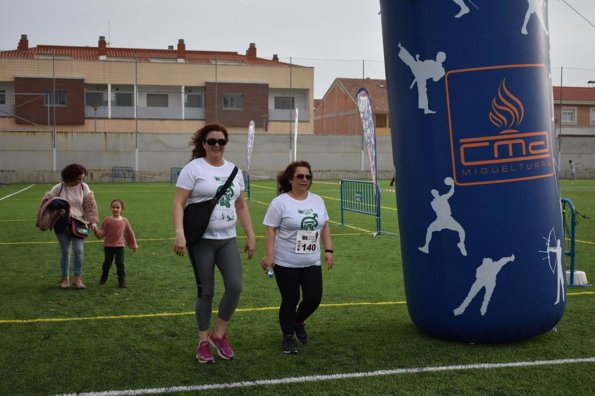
(142, 339)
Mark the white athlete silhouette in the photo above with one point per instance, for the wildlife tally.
(485, 276)
(560, 273)
(422, 71)
(464, 9)
(534, 7)
(444, 219)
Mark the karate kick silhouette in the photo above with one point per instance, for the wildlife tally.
(422, 71)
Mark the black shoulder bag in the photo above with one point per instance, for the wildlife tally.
(198, 215)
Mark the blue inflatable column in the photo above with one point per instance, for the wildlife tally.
(479, 203)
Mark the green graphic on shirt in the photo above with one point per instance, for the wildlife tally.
(310, 223)
(225, 199)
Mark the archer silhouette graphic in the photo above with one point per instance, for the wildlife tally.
(557, 250)
(534, 7)
(422, 71)
(444, 219)
(485, 277)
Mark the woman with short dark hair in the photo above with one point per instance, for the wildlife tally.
(83, 208)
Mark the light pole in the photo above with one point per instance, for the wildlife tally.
(95, 107)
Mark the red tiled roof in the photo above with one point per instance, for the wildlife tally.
(575, 94)
(141, 55)
(376, 90)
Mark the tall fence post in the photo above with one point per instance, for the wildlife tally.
(565, 202)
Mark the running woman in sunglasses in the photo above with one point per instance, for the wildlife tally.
(199, 181)
(296, 222)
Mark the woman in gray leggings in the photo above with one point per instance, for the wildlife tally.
(199, 181)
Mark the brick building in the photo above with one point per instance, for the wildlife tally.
(574, 109)
(92, 89)
(337, 112)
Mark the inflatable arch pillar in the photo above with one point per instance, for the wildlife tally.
(471, 107)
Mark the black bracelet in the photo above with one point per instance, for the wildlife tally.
(328, 251)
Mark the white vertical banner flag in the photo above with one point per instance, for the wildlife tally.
(295, 134)
(249, 145)
(365, 112)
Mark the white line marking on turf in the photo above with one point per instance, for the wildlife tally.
(317, 378)
(15, 193)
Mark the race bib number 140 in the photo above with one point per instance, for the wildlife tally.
(307, 242)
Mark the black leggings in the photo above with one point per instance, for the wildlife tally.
(289, 281)
(118, 253)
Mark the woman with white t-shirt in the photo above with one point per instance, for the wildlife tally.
(296, 221)
(199, 181)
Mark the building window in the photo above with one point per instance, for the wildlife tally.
(284, 102)
(194, 100)
(2, 97)
(381, 120)
(124, 99)
(157, 100)
(592, 115)
(95, 99)
(569, 115)
(54, 98)
(233, 101)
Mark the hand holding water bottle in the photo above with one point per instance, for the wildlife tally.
(267, 265)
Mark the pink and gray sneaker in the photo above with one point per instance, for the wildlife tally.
(223, 348)
(203, 353)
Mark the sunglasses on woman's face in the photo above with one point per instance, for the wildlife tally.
(302, 176)
(213, 141)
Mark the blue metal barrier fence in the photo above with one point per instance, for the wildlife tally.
(361, 196)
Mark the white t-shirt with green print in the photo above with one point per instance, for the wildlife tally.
(203, 180)
(297, 221)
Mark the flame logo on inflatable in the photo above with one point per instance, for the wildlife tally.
(507, 110)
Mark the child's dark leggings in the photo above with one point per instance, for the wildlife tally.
(118, 253)
(290, 281)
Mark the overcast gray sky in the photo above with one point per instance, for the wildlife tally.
(340, 38)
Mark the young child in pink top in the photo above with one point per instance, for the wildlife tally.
(117, 231)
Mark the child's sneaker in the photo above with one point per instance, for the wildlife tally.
(122, 283)
(223, 348)
(300, 332)
(288, 345)
(203, 353)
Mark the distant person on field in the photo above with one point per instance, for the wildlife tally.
(199, 181)
(296, 221)
(117, 232)
(572, 169)
(82, 208)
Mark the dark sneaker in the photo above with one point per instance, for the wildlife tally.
(103, 279)
(288, 345)
(203, 353)
(300, 333)
(122, 283)
(223, 348)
